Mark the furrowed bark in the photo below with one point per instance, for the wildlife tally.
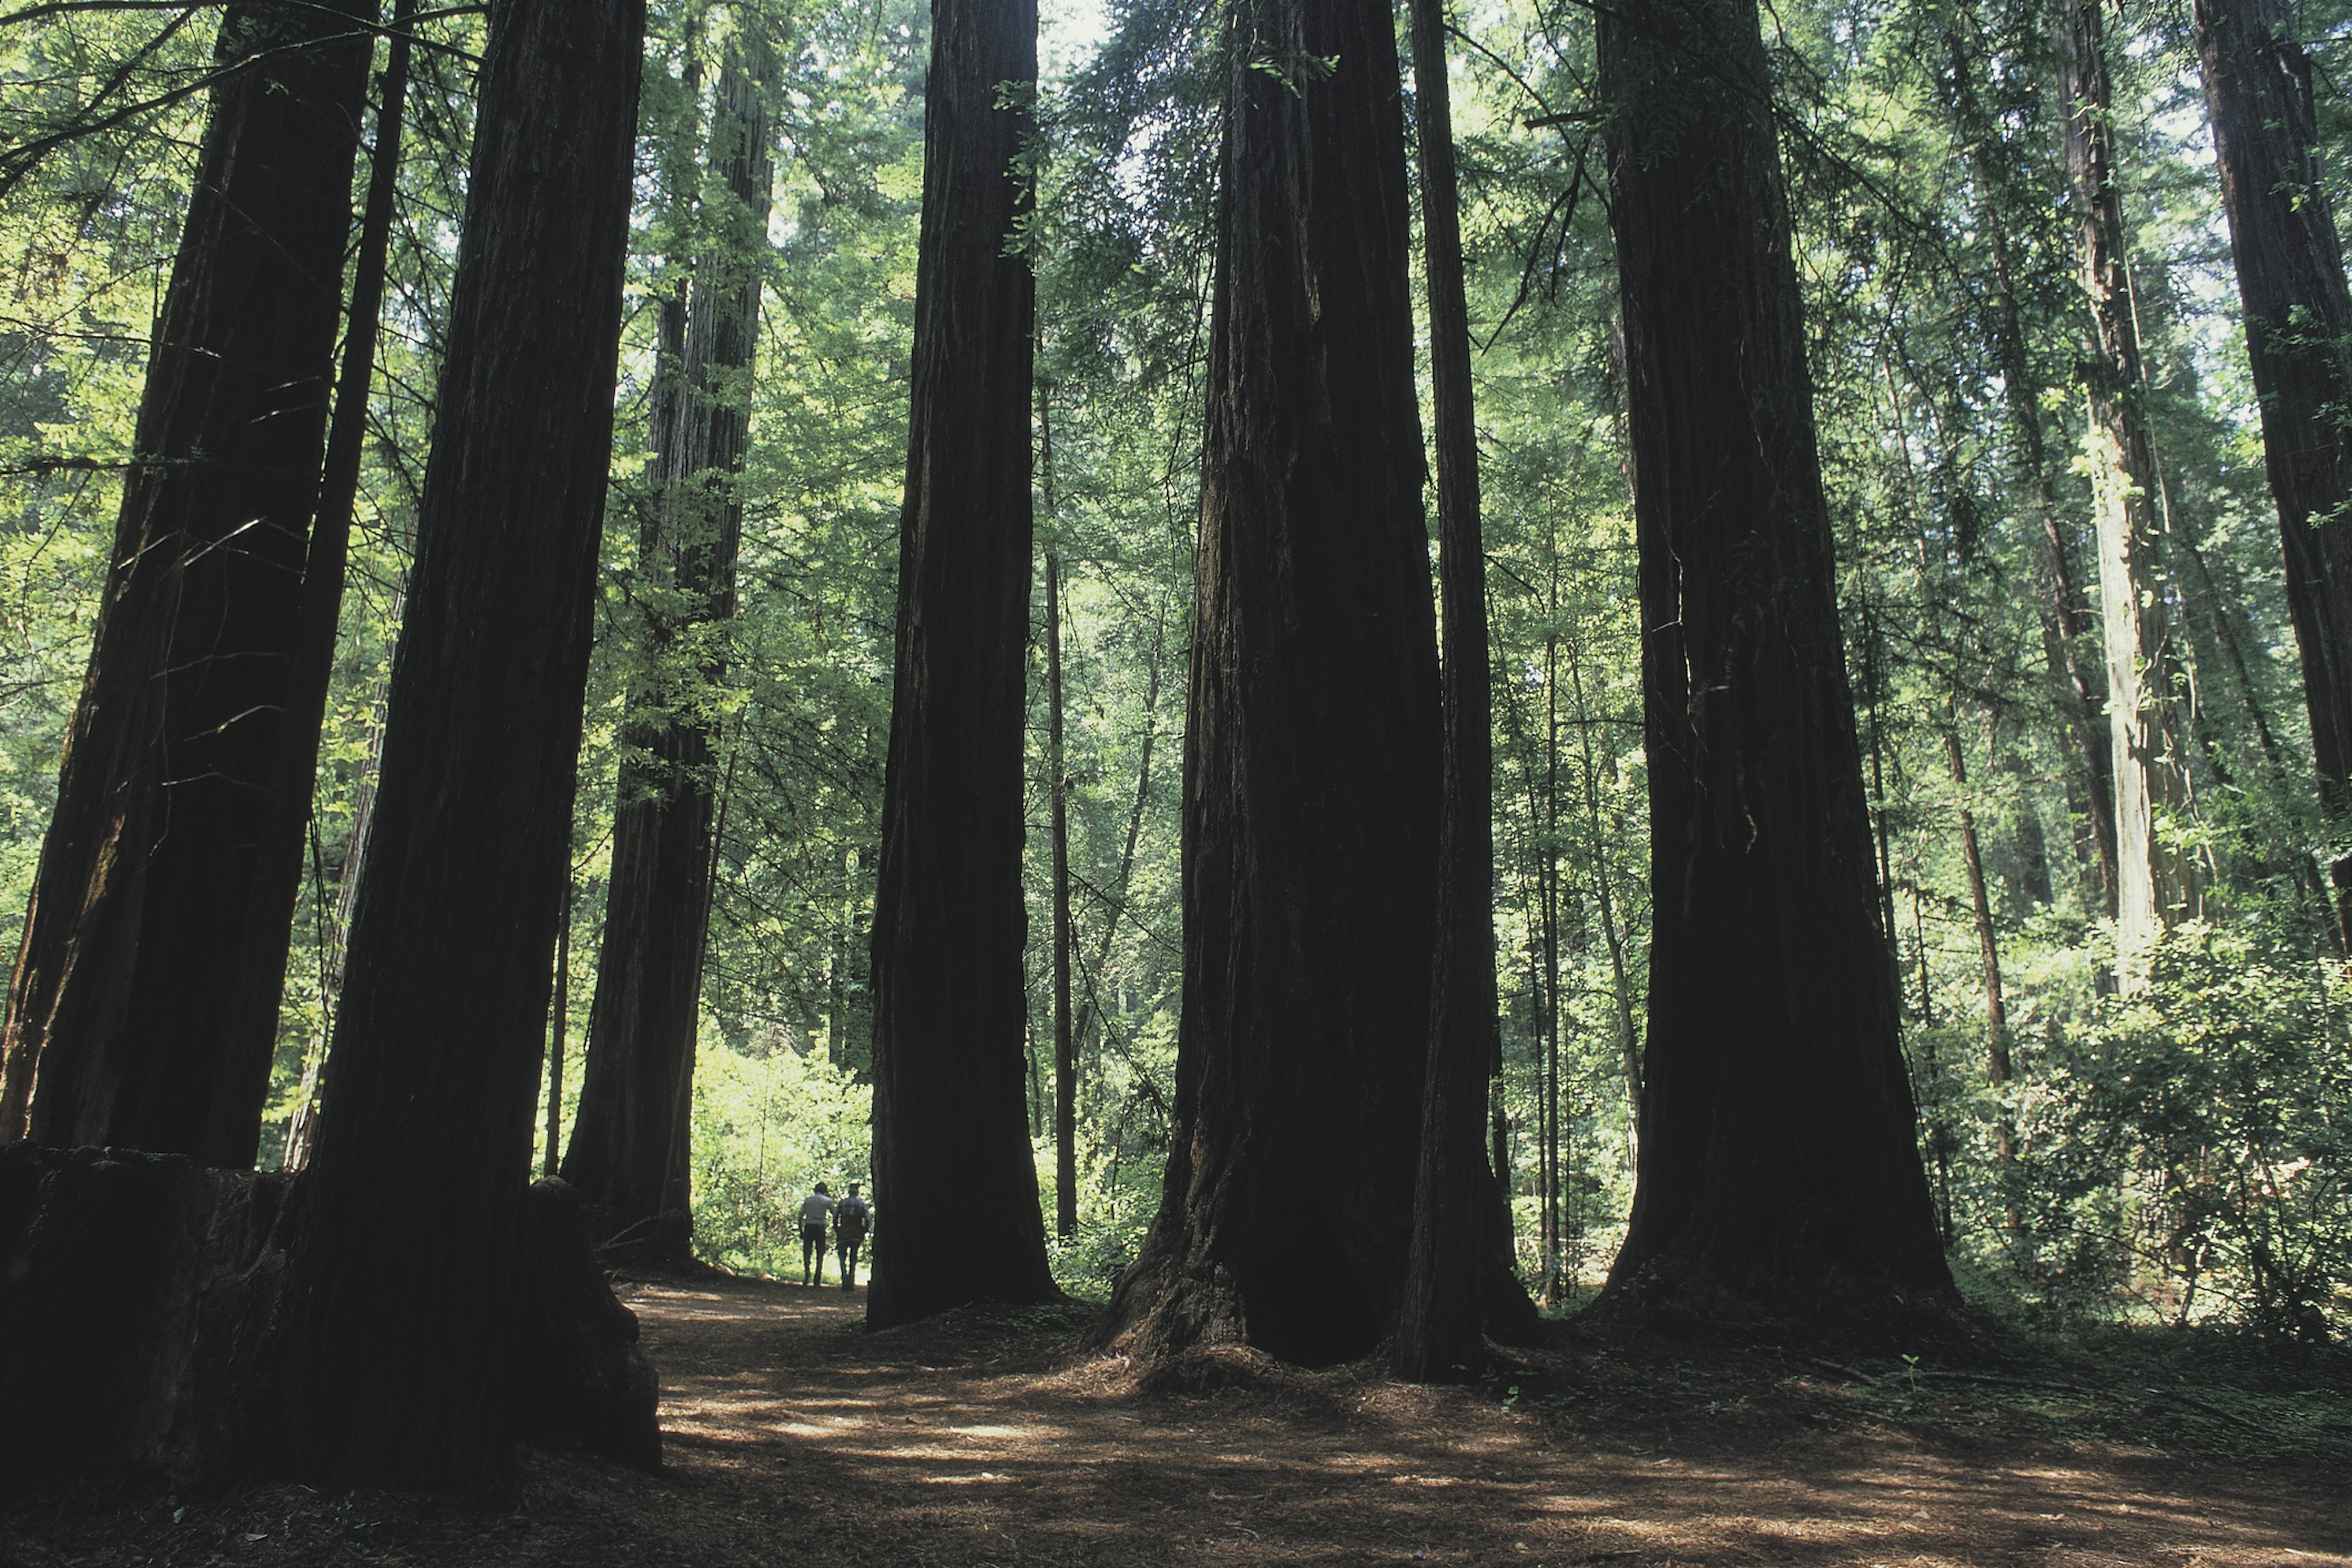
(955, 1184)
(400, 1288)
(1312, 776)
(1778, 1161)
(2299, 343)
(1459, 1273)
(143, 1008)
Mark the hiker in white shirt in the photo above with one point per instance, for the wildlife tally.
(816, 1210)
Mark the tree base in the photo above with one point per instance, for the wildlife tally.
(580, 1375)
(1159, 1310)
(1685, 1299)
(139, 1297)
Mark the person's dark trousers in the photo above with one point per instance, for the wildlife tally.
(848, 1254)
(812, 1257)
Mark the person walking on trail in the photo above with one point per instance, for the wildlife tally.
(816, 1209)
(851, 1222)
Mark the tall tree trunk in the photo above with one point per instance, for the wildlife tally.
(1311, 770)
(322, 601)
(398, 1298)
(1460, 1271)
(132, 1016)
(2299, 343)
(955, 1182)
(2070, 646)
(1065, 1061)
(1988, 939)
(2151, 880)
(630, 1149)
(1778, 1151)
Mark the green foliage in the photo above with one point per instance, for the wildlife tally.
(770, 1121)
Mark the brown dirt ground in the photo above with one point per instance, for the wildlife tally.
(795, 1437)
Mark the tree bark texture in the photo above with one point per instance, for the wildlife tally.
(1777, 1159)
(398, 1294)
(1311, 769)
(144, 1005)
(632, 1144)
(2299, 342)
(2152, 882)
(133, 1288)
(955, 1182)
(1459, 1273)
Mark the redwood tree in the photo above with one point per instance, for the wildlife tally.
(2299, 344)
(1311, 777)
(630, 1146)
(1461, 1273)
(144, 1005)
(1778, 1155)
(398, 1293)
(955, 1185)
(2152, 878)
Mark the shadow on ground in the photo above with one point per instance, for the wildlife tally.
(796, 1437)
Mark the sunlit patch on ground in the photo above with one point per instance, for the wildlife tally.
(797, 1440)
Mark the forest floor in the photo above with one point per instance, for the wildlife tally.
(795, 1437)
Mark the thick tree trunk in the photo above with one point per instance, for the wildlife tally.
(2299, 342)
(630, 1154)
(143, 1008)
(2152, 881)
(1778, 1157)
(134, 1287)
(955, 1182)
(398, 1296)
(1459, 1274)
(1312, 777)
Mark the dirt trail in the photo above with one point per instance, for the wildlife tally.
(795, 1437)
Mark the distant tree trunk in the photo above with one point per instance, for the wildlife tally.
(630, 1149)
(1460, 1271)
(322, 601)
(1142, 798)
(1065, 1061)
(132, 1017)
(2151, 880)
(1778, 1151)
(400, 1284)
(302, 1131)
(1620, 989)
(2299, 343)
(1988, 939)
(1312, 775)
(559, 1028)
(2068, 642)
(955, 1182)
